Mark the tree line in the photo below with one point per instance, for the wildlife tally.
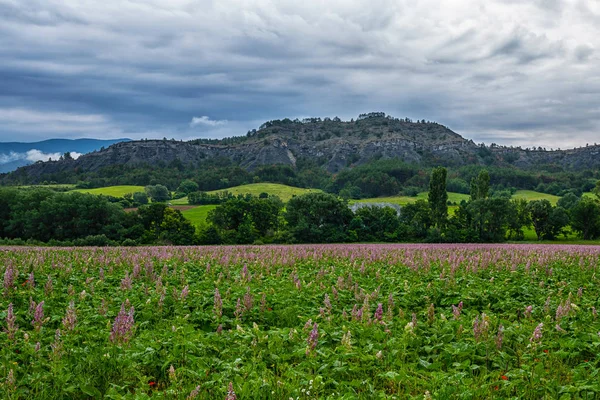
(44, 216)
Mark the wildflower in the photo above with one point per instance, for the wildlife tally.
(230, 392)
(48, 287)
(308, 324)
(219, 329)
(103, 309)
(313, 339)
(480, 327)
(37, 347)
(38, 316)
(122, 329)
(70, 319)
(500, 337)
(580, 292)
(9, 278)
(238, 309)
(172, 376)
(347, 339)
(559, 329)
(11, 326)
(594, 312)
(101, 274)
(390, 307)
(379, 355)
(431, 314)
(218, 304)
(537, 334)
(327, 303)
(504, 377)
(248, 300)
(456, 310)
(151, 383)
(57, 345)
(185, 292)
(379, 312)
(334, 292)
(263, 303)
(547, 305)
(10, 380)
(528, 311)
(126, 282)
(31, 280)
(194, 393)
(414, 320)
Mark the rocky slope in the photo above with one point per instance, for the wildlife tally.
(333, 143)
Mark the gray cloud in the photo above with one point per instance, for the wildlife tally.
(506, 71)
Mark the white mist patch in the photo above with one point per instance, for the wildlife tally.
(34, 155)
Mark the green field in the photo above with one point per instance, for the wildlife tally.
(412, 321)
(531, 195)
(402, 200)
(116, 191)
(284, 192)
(197, 215)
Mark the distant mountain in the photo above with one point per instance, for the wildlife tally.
(17, 154)
(333, 144)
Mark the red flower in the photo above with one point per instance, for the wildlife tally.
(495, 387)
(504, 377)
(546, 351)
(152, 383)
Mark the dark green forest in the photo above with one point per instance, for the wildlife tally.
(37, 215)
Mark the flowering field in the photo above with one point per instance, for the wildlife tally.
(301, 322)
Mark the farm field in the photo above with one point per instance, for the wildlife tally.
(307, 322)
(402, 200)
(531, 195)
(284, 192)
(116, 191)
(197, 215)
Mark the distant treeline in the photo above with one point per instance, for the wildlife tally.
(43, 216)
(373, 179)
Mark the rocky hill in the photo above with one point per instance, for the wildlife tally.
(333, 143)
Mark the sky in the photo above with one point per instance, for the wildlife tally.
(512, 72)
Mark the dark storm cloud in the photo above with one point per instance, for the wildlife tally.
(513, 72)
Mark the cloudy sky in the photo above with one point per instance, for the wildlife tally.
(517, 72)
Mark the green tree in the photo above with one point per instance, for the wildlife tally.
(568, 201)
(140, 198)
(376, 224)
(415, 220)
(438, 197)
(158, 193)
(596, 190)
(518, 218)
(585, 218)
(187, 186)
(540, 211)
(480, 186)
(318, 218)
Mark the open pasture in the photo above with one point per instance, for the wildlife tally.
(302, 322)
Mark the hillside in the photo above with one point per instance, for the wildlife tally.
(17, 154)
(332, 144)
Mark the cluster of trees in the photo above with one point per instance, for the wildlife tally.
(324, 218)
(41, 215)
(45, 216)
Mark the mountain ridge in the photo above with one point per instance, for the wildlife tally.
(332, 143)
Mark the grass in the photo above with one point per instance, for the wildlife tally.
(531, 195)
(116, 191)
(284, 192)
(197, 215)
(402, 200)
